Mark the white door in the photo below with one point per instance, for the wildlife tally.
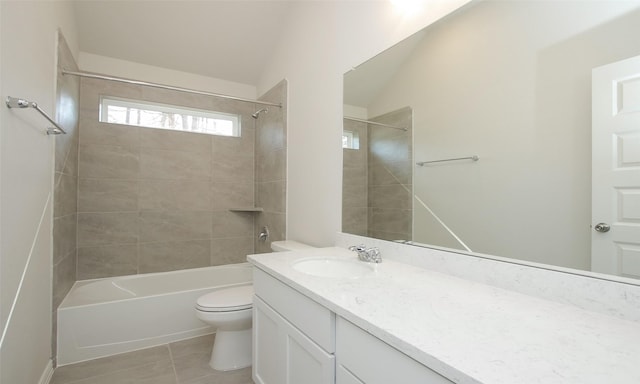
(615, 239)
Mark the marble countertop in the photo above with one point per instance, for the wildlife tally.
(471, 332)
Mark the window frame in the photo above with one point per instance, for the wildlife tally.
(106, 101)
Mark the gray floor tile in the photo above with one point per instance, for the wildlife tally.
(105, 365)
(241, 376)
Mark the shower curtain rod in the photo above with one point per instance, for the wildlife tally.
(374, 123)
(163, 86)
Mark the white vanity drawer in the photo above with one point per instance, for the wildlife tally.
(369, 359)
(314, 320)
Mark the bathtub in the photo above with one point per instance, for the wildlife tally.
(107, 316)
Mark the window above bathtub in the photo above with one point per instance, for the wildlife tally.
(148, 114)
(350, 140)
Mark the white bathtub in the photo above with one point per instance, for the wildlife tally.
(108, 316)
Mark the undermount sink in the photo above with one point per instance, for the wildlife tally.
(334, 267)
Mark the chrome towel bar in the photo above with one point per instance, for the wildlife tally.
(14, 102)
(474, 158)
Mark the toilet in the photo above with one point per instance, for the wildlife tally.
(229, 311)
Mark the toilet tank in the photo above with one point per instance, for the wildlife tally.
(288, 245)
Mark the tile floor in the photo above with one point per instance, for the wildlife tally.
(182, 362)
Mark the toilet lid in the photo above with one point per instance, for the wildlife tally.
(227, 299)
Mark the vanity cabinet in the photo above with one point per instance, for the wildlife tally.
(298, 341)
(293, 336)
(365, 359)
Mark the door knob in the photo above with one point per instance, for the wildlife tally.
(602, 227)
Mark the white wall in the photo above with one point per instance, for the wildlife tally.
(127, 69)
(321, 42)
(28, 65)
(511, 82)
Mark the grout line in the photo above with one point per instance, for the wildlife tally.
(173, 364)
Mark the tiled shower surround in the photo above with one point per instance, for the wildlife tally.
(65, 183)
(152, 200)
(377, 179)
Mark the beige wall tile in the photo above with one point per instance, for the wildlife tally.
(354, 156)
(231, 250)
(106, 261)
(107, 228)
(390, 220)
(177, 185)
(92, 89)
(174, 165)
(173, 255)
(64, 275)
(107, 195)
(106, 161)
(390, 173)
(184, 99)
(65, 195)
(354, 220)
(271, 196)
(70, 164)
(271, 131)
(174, 226)
(64, 236)
(232, 224)
(271, 166)
(225, 146)
(232, 168)
(354, 187)
(95, 132)
(390, 236)
(175, 141)
(225, 195)
(394, 196)
(170, 195)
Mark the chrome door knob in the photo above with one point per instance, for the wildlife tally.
(602, 227)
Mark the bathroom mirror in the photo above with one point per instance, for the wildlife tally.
(510, 83)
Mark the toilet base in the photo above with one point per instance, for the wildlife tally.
(231, 350)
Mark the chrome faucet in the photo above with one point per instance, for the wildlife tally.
(370, 255)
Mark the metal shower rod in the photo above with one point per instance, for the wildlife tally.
(164, 86)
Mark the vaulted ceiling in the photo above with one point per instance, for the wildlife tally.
(229, 40)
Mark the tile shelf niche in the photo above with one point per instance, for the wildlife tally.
(246, 209)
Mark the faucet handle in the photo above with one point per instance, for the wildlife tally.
(357, 248)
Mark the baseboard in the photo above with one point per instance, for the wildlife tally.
(47, 374)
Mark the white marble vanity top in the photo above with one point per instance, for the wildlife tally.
(471, 332)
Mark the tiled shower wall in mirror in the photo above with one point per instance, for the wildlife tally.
(65, 182)
(152, 200)
(377, 178)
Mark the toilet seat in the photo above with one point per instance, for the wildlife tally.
(227, 299)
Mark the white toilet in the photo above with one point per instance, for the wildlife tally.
(229, 311)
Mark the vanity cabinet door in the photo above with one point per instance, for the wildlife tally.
(283, 354)
(343, 376)
(363, 358)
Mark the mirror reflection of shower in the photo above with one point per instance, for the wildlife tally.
(378, 180)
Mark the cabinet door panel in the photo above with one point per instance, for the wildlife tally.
(343, 376)
(316, 321)
(306, 362)
(283, 354)
(268, 346)
(371, 359)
